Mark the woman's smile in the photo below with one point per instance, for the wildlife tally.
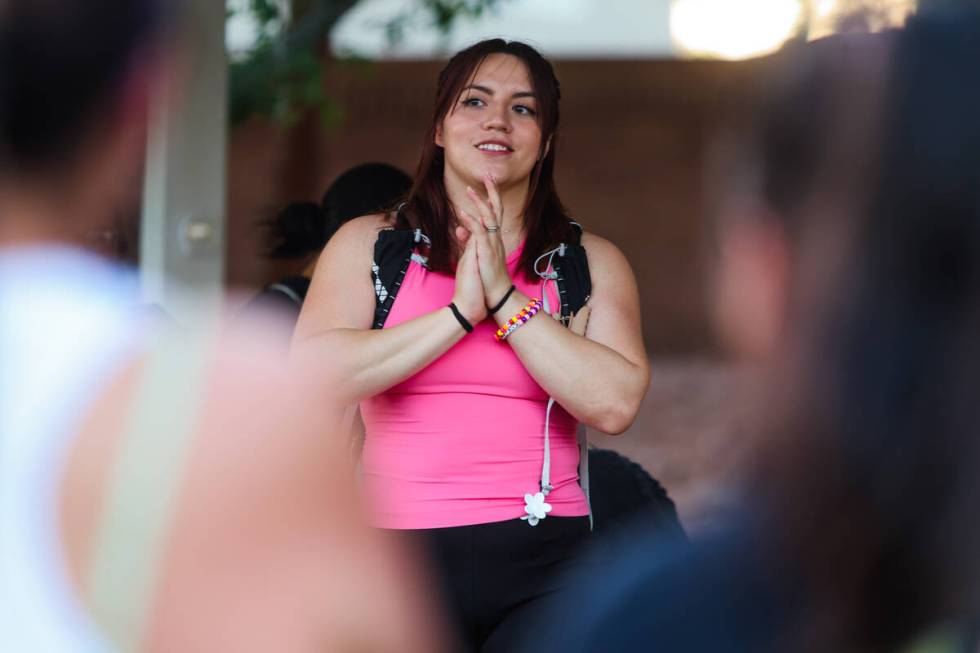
(495, 148)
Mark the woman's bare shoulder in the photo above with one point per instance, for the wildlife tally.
(354, 241)
(363, 230)
(602, 252)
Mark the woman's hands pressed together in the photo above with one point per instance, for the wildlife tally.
(484, 227)
(469, 295)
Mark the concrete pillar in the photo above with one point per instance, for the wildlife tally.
(182, 235)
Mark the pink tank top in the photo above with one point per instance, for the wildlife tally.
(462, 441)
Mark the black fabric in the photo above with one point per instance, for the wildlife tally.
(496, 578)
(621, 494)
(298, 284)
(279, 302)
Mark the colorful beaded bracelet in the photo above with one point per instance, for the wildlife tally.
(518, 320)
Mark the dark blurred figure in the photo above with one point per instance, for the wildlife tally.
(301, 230)
(622, 495)
(859, 266)
(159, 491)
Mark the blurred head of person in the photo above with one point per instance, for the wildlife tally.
(76, 82)
(860, 266)
(362, 190)
(779, 171)
(302, 229)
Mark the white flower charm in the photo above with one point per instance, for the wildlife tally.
(536, 508)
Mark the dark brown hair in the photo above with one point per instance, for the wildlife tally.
(428, 206)
(303, 228)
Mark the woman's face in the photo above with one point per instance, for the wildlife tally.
(493, 126)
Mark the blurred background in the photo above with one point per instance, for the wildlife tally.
(280, 96)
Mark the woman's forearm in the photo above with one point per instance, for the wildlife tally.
(364, 362)
(596, 384)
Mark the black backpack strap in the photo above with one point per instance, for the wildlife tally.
(393, 252)
(574, 281)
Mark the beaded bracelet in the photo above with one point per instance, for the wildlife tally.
(518, 320)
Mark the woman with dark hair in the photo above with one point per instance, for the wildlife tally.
(859, 530)
(299, 232)
(470, 399)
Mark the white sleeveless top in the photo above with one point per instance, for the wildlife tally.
(66, 323)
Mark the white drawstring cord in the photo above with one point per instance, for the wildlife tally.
(536, 507)
(546, 464)
(534, 504)
(549, 272)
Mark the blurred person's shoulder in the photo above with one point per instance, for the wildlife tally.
(251, 456)
(221, 381)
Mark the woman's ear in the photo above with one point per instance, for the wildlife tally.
(438, 139)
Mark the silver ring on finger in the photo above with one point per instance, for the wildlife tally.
(493, 230)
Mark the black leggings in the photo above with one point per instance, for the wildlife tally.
(496, 576)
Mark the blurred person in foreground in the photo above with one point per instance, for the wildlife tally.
(854, 282)
(158, 492)
(299, 232)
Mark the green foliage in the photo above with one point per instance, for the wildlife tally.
(444, 12)
(264, 11)
(276, 85)
(441, 14)
(281, 76)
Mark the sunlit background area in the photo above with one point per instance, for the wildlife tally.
(752, 28)
(721, 29)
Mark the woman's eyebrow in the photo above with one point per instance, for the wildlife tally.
(484, 89)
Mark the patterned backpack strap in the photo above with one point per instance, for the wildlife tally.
(393, 252)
